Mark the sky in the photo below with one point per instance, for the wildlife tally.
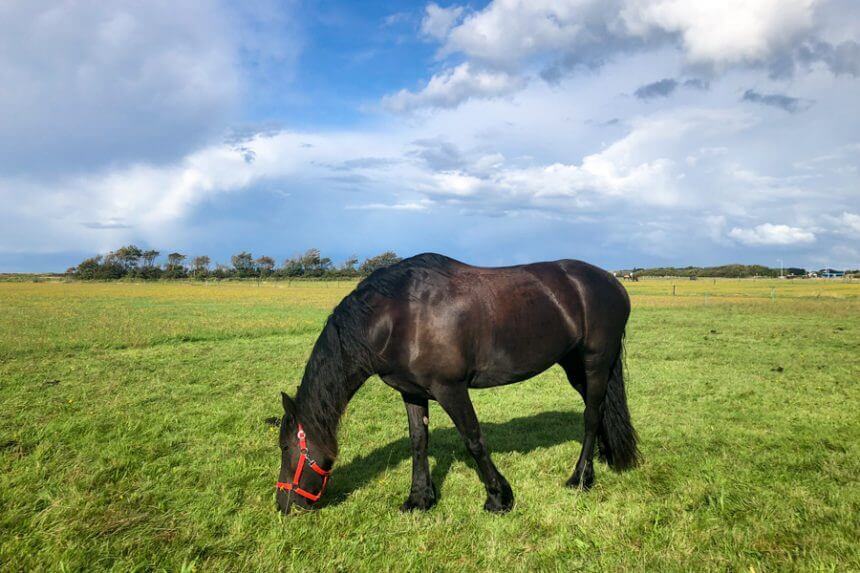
(621, 132)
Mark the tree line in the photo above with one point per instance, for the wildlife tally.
(133, 262)
(724, 271)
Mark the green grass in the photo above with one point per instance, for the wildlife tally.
(132, 436)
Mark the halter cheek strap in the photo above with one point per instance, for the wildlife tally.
(304, 459)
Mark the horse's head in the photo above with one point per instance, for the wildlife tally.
(304, 472)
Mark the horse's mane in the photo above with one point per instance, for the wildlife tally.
(391, 281)
(342, 348)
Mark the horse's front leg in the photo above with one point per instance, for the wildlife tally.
(423, 493)
(456, 402)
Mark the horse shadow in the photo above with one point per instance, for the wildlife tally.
(520, 435)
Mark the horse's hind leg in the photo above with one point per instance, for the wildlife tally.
(575, 369)
(423, 493)
(456, 402)
(590, 376)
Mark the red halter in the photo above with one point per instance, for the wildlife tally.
(303, 457)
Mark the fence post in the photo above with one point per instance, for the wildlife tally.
(673, 290)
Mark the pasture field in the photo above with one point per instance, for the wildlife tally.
(133, 436)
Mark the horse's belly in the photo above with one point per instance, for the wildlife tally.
(514, 358)
(492, 378)
(405, 385)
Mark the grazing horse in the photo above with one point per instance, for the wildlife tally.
(432, 328)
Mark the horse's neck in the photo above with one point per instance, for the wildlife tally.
(331, 379)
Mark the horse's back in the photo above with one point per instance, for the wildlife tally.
(490, 325)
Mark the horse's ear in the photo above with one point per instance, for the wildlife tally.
(289, 406)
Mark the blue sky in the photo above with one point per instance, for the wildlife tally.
(623, 132)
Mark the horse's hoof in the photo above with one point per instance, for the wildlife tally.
(494, 506)
(581, 480)
(417, 504)
(500, 503)
(581, 486)
(420, 502)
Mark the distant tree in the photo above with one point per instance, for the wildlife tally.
(311, 260)
(89, 269)
(201, 263)
(200, 266)
(101, 268)
(175, 259)
(265, 265)
(127, 256)
(348, 269)
(114, 260)
(292, 267)
(221, 271)
(149, 272)
(324, 267)
(149, 257)
(314, 264)
(175, 269)
(383, 260)
(243, 263)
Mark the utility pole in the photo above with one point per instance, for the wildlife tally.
(781, 274)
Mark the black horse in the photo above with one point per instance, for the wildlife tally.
(432, 328)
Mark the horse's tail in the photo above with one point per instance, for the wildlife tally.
(617, 438)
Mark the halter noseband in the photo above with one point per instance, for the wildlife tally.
(304, 458)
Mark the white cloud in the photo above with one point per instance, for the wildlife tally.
(438, 21)
(769, 234)
(408, 206)
(726, 32)
(749, 31)
(453, 87)
(147, 198)
(88, 83)
(704, 154)
(849, 224)
(630, 171)
(516, 35)
(507, 32)
(715, 226)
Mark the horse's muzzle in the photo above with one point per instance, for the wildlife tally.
(285, 501)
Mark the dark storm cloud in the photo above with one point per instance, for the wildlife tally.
(697, 84)
(244, 133)
(350, 179)
(557, 71)
(662, 88)
(365, 163)
(439, 155)
(667, 86)
(842, 59)
(106, 225)
(605, 46)
(784, 102)
(90, 84)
